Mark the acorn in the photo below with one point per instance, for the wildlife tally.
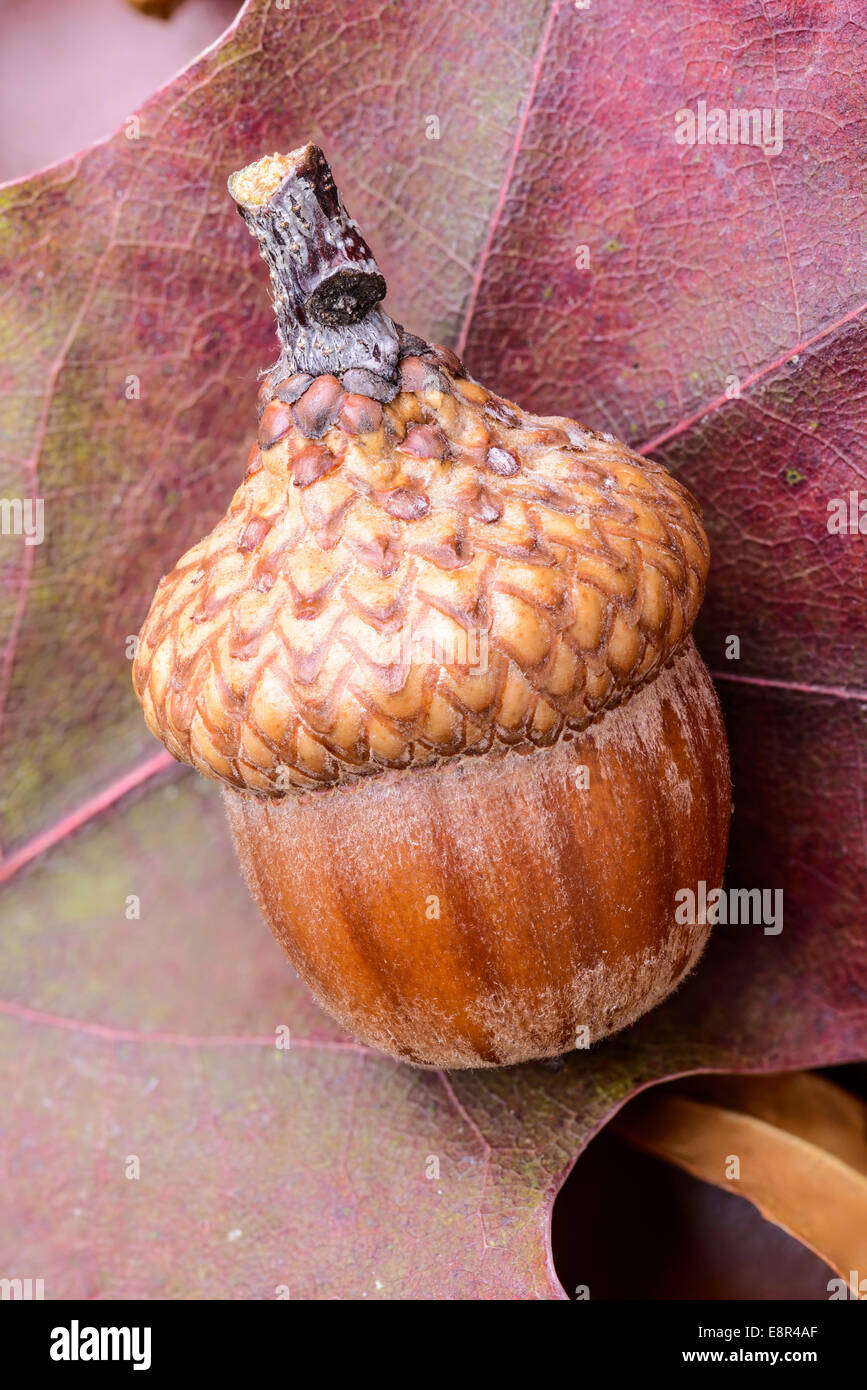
(438, 653)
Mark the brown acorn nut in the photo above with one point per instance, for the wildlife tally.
(438, 653)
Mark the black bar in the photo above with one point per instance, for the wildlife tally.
(258, 1339)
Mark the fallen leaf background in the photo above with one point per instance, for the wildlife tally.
(305, 1169)
(628, 1225)
(71, 74)
(794, 1145)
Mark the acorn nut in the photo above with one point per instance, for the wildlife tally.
(438, 653)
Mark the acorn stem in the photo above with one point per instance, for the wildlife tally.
(327, 285)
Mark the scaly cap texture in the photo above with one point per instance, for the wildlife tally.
(411, 578)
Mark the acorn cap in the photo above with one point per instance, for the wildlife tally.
(413, 568)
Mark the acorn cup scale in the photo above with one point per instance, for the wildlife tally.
(438, 653)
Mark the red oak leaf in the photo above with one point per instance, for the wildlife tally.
(707, 302)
